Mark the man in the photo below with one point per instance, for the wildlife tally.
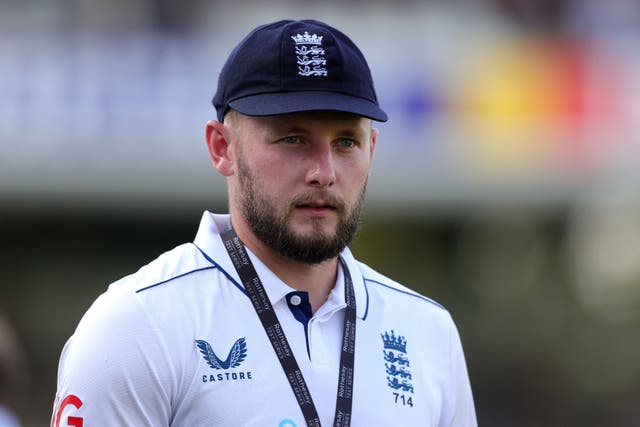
(266, 319)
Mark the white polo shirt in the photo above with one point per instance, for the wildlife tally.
(178, 343)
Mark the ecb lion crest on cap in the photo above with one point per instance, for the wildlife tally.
(310, 55)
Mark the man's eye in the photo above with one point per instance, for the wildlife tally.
(346, 143)
(291, 139)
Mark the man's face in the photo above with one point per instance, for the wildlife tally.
(301, 180)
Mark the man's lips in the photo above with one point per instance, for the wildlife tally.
(319, 208)
(316, 205)
(319, 204)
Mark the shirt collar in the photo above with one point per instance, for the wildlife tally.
(359, 287)
(208, 240)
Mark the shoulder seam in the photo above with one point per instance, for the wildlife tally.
(410, 293)
(175, 277)
(222, 270)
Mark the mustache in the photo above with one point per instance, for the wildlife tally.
(320, 199)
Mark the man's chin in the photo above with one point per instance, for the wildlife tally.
(314, 234)
(311, 252)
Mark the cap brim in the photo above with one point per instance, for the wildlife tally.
(273, 104)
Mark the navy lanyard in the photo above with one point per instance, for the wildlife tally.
(264, 309)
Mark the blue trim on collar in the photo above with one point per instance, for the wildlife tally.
(366, 291)
(173, 278)
(407, 293)
(302, 313)
(208, 258)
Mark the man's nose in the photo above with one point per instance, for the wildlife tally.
(322, 168)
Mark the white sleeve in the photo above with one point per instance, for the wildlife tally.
(115, 370)
(464, 409)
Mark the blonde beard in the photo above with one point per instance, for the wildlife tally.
(272, 228)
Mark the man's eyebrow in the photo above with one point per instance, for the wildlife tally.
(348, 130)
(291, 129)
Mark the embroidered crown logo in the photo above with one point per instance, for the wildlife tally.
(397, 364)
(236, 355)
(310, 55)
(307, 39)
(392, 342)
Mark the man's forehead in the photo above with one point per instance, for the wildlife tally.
(311, 118)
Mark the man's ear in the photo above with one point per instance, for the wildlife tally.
(374, 139)
(218, 142)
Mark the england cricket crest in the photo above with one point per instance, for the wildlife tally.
(397, 366)
(310, 55)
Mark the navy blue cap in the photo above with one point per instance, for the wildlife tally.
(293, 66)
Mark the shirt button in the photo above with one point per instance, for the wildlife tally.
(295, 300)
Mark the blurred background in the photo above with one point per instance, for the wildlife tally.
(506, 183)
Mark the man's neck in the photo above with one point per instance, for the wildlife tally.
(316, 279)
